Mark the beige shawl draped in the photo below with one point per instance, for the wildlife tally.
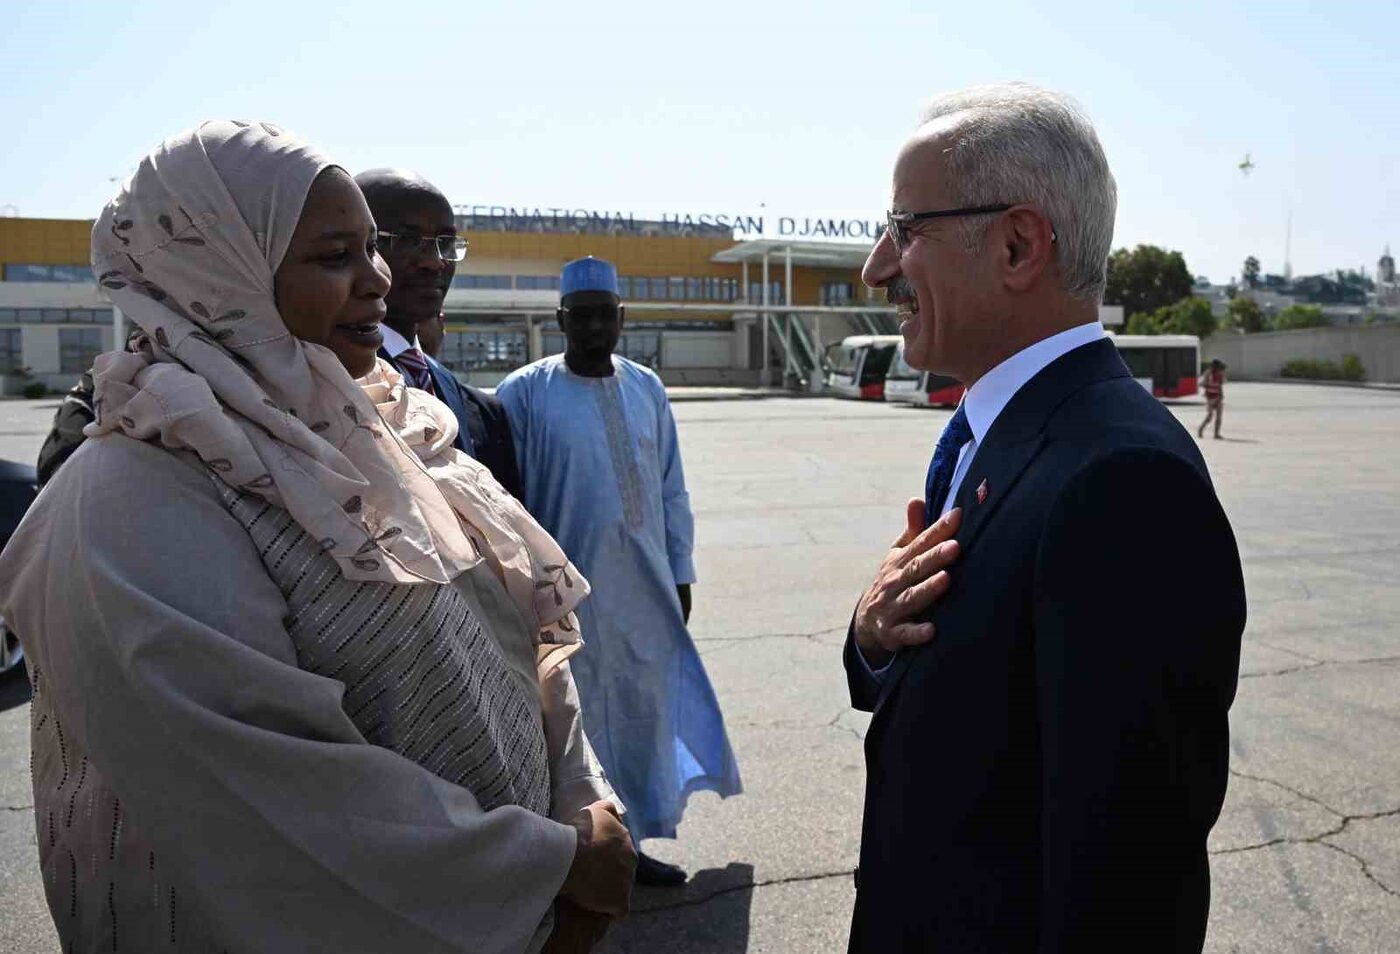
(188, 250)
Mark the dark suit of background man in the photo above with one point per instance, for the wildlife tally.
(1050, 744)
(418, 238)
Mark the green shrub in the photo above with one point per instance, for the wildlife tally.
(1143, 323)
(35, 389)
(1349, 370)
(1190, 316)
(1295, 317)
(1246, 315)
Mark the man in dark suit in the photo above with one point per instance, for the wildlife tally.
(419, 241)
(1051, 662)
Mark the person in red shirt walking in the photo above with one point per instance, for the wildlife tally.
(1213, 383)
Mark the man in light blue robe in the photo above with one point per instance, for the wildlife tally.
(602, 471)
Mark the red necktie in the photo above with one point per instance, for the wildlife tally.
(414, 366)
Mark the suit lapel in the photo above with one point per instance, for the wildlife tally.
(991, 475)
(1011, 445)
(1019, 432)
(999, 468)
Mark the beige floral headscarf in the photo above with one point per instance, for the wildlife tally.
(188, 250)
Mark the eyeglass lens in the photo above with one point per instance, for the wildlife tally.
(449, 248)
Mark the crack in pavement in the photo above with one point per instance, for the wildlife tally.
(726, 641)
(1318, 664)
(1290, 790)
(17, 808)
(833, 723)
(1365, 867)
(1343, 820)
(746, 886)
(1287, 651)
(836, 723)
(739, 639)
(1287, 670)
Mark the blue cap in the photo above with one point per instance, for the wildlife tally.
(588, 274)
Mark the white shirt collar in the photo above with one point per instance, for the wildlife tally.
(986, 399)
(394, 343)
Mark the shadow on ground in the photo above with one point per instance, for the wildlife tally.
(710, 913)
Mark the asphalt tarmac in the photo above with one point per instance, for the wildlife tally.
(795, 501)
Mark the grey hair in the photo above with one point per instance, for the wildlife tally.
(1019, 143)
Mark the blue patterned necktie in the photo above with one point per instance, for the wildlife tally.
(415, 368)
(945, 461)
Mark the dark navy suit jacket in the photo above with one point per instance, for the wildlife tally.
(483, 431)
(1042, 776)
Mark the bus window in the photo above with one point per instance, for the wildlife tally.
(1138, 360)
(842, 359)
(1182, 371)
(1164, 364)
(877, 364)
(900, 369)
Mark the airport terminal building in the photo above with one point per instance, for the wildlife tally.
(732, 300)
(704, 293)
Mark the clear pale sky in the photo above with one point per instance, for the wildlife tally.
(726, 107)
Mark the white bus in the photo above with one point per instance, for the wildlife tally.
(1166, 365)
(858, 364)
(906, 385)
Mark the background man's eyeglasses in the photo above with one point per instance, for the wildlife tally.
(593, 312)
(897, 223)
(450, 247)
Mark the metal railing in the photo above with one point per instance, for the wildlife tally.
(799, 356)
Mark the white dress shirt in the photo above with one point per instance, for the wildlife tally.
(394, 343)
(985, 400)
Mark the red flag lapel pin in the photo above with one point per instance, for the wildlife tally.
(982, 491)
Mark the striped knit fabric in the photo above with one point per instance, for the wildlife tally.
(422, 678)
(421, 675)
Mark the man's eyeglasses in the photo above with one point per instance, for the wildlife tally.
(593, 311)
(897, 223)
(449, 246)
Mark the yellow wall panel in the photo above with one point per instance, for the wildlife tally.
(44, 241)
(65, 242)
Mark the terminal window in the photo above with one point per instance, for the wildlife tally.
(77, 348)
(838, 293)
(775, 293)
(483, 350)
(537, 282)
(708, 288)
(55, 316)
(497, 282)
(10, 352)
(48, 273)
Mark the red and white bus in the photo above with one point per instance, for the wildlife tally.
(1166, 365)
(857, 365)
(871, 367)
(906, 385)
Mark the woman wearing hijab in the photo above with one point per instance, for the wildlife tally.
(300, 667)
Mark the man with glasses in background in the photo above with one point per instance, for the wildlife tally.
(1050, 744)
(419, 241)
(602, 464)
